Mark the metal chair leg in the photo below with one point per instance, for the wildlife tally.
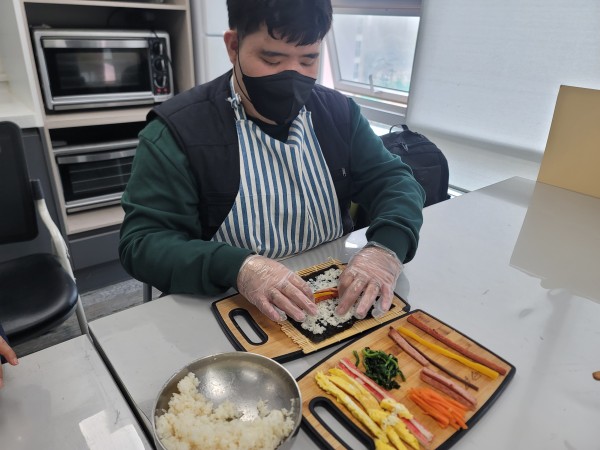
(80, 312)
(146, 292)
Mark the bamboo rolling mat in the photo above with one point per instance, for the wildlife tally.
(283, 341)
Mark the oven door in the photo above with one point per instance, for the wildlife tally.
(94, 72)
(95, 175)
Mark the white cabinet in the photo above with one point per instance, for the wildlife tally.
(20, 94)
(92, 234)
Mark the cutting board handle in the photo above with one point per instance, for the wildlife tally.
(340, 419)
(237, 314)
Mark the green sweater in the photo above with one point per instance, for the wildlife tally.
(160, 235)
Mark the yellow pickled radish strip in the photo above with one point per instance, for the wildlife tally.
(436, 348)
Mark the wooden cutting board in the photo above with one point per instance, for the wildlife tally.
(316, 402)
(249, 330)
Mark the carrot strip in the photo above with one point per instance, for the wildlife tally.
(442, 416)
(322, 298)
(445, 411)
(434, 397)
(330, 290)
(325, 294)
(460, 421)
(430, 411)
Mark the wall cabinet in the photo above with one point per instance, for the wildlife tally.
(92, 232)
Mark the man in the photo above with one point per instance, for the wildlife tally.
(6, 353)
(261, 163)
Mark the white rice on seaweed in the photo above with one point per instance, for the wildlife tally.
(326, 315)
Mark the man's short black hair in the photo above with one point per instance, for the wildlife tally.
(302, 22)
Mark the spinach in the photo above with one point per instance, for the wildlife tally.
(382, 368)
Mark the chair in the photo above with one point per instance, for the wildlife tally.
(37, 291)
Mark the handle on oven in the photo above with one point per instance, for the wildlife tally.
(98, 147)
(93, 157)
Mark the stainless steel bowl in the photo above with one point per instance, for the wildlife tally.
(242, 378)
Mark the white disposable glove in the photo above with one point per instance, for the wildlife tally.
(372, 272)
(275, 290)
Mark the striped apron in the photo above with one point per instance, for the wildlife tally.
(286, 202)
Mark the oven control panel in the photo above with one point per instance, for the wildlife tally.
(160, 65)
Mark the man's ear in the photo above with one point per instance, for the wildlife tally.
(232, 44)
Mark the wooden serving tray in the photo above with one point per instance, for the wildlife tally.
(319, 426)
(231, 312)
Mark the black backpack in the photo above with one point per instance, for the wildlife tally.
(428, 164)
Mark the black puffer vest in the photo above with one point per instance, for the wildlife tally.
(202, 122)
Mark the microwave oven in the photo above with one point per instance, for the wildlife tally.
(82, 69)
(94, 175)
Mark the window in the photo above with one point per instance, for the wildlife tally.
(371, 49)
(486, 79)
(374, 54)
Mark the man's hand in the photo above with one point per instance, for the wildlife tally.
(372, 272)
(275, 290)
(10, 356)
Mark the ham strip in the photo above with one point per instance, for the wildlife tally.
(379, 391)
(448, 387)
(405, 345)
(453, 345)
(423, 359)
(449, 372)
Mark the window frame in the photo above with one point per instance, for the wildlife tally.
(380, 105)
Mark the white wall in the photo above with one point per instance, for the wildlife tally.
(209, 20)
(19, 98)
(486, 78)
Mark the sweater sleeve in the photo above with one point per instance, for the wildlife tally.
(385, 186)
(160, 236)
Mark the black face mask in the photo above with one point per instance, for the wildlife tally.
(278, 97)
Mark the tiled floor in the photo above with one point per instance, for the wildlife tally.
(96, 304)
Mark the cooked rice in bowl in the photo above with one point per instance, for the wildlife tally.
(193, 422)
(233, 400)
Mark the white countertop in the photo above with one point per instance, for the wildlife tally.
(64, 398)
(514, 266)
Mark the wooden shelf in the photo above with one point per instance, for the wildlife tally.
(100, 117)
(94, 219)
(19, 113)
(178, 5)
